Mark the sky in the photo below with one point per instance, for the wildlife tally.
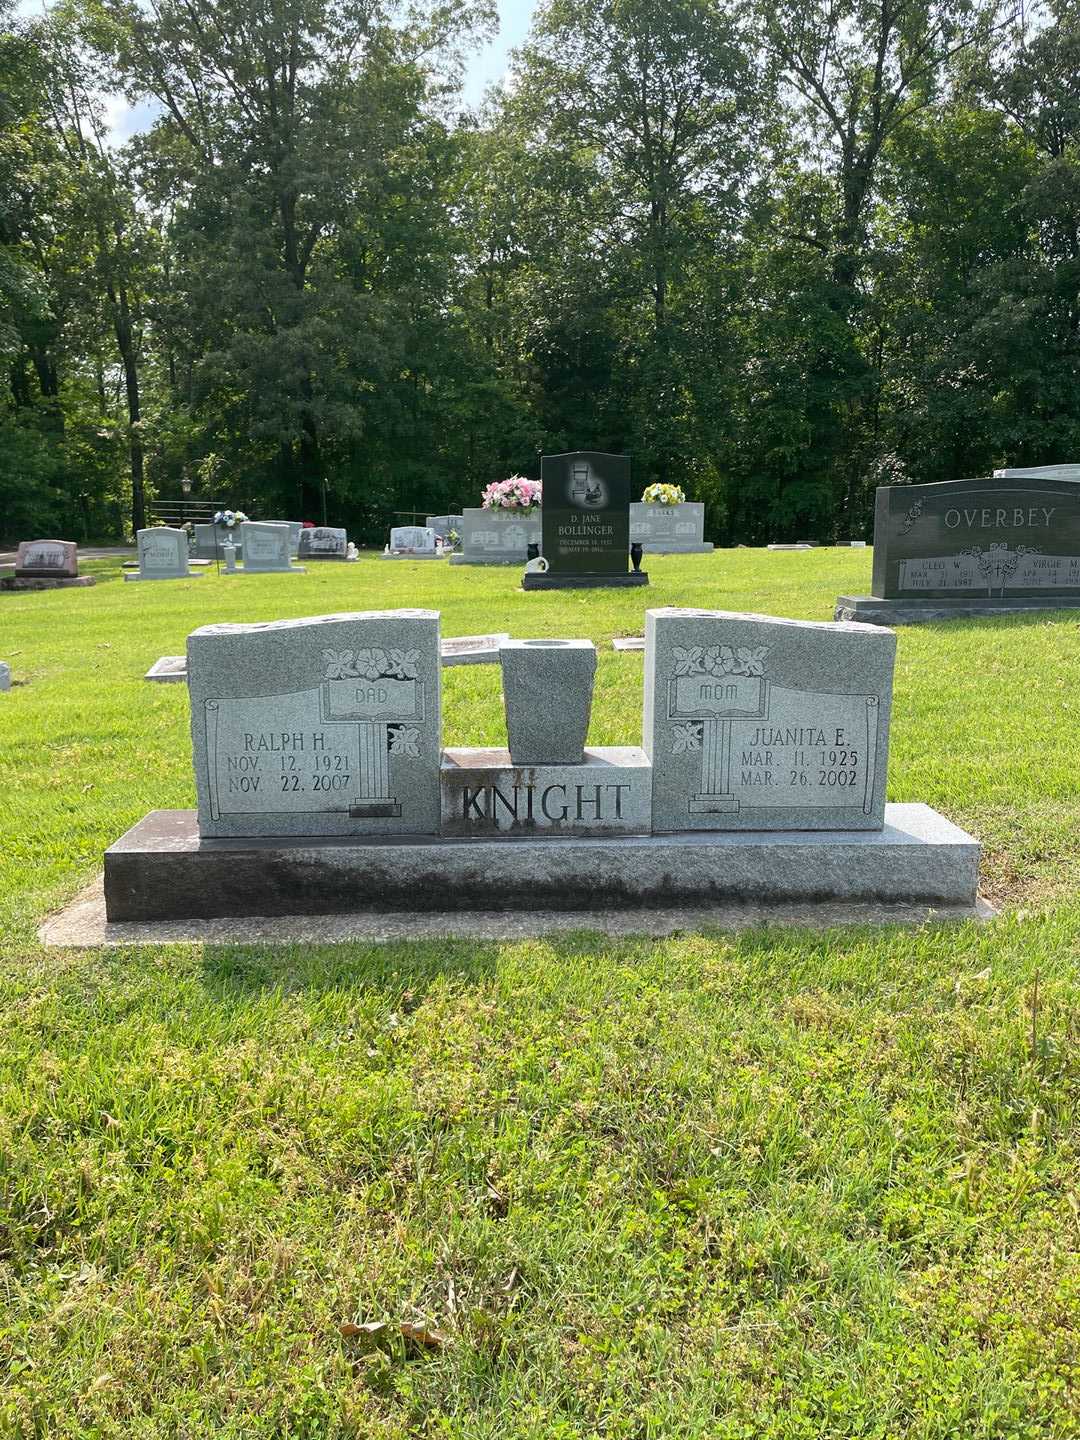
(487, 67)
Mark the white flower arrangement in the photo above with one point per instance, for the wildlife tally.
(229, 518)
(663, 495)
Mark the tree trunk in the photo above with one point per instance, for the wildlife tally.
(125, 343)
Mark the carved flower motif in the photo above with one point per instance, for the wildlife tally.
(339, 664)
(719, 660)
(404, 739)
(750, 662)
(402, 664)
(688, 662)
(370, 664)
(685, 737)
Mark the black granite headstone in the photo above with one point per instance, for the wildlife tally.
(978, 546)
(987, 538)
(586, 521)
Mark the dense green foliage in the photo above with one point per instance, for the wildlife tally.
(780, 251)
(777, 1184)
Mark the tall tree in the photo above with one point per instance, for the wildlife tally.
(284, 118)
(660, 98)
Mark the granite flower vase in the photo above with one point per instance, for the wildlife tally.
(547, 692)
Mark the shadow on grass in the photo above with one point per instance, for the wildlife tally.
(773, 954)
(234, 970)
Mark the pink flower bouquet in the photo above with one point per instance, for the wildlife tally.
(517, 493)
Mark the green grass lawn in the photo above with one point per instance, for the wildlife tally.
(779, 1184)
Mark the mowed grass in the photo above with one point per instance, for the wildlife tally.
(779, 1184)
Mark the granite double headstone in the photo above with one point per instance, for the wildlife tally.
(972, 547)
(316, 748)
(669, 529)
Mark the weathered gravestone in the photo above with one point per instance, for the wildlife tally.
(760, 724)
(972, 547)
(497, 537)
(586, 522)
(443, 524)
(46, 565)
(328, 726)
(411, 542)
(163, 555)
(324, 542)
(210, 540)
(265, 545)
(5, 675)
(669, 529)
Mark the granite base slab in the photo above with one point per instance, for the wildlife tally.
(194, 575)
(663, 547)
(162, 869)
(420, 555)
(487, 560)
(583, 582)
(873, 611)
(42, 582)
(82, 924)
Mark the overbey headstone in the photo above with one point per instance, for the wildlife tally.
(973, 546)
(754, 723)
(325, 726)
